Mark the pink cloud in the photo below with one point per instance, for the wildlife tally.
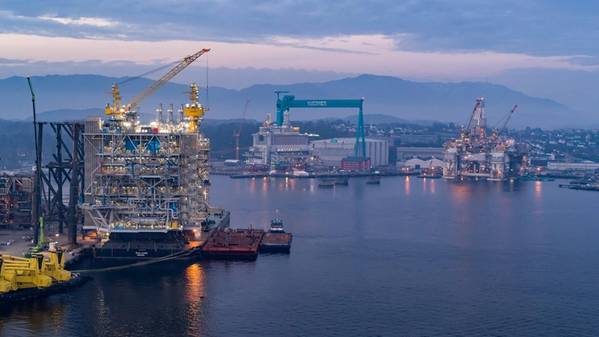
(376, 54)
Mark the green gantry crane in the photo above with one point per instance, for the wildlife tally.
(287, 102)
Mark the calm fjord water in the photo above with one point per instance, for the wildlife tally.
(410, 257)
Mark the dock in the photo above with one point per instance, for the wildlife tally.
(19, 243)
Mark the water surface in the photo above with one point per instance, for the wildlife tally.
(410, 257)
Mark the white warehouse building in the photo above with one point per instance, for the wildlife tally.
(332, 151)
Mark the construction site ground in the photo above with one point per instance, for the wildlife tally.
(18, 242)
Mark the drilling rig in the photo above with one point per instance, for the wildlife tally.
(476, 155)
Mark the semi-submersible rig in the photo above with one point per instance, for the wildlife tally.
(477, 154)
(146, 185)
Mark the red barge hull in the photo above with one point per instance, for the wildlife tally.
(233, 244)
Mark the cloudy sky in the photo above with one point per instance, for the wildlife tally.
(504, 41)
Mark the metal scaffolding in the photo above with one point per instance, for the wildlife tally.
(15, 199)
(145, 178)
(58, 196)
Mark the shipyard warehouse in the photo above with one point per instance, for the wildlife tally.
(333, 151)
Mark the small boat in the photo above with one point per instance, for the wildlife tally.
(326, 183)
(430, 175)
(248, 175)
(584, 181)
(343, 181)
(373, 180)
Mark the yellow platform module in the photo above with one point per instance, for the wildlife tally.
(193, 111)
(116, 109)
(40, 271)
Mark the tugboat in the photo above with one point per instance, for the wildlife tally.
(276, 226)
(326, 183)
(276, 240)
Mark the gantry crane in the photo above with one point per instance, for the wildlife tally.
(118, 110)
(288, 101)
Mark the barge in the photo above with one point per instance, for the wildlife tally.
(127, 246)
(233, 244)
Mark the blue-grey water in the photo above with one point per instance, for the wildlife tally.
(410, 257)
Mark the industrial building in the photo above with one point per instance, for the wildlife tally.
(15, 199)
(418, 164)
(280, 145)
(577, 166)
(408, 152)
(355, 164)
(332, 151)
(275, 145)
(478, 155)
(419, 139)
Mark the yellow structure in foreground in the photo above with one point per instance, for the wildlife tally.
(40, 271)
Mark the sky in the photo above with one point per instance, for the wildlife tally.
(504, 41)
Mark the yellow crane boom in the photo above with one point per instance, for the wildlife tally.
(115, 109)
(167, 77)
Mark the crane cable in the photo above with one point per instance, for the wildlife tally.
(129, 79)
(207, 86)
(504, 120)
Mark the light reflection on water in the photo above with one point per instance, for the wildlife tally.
(395, 259)
(252, 185)
(194, 295)
(407, 185)
(538, 189)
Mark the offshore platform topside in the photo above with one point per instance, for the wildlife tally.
(477, 154)
(146, 185)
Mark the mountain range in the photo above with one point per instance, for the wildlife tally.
(78, 96)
